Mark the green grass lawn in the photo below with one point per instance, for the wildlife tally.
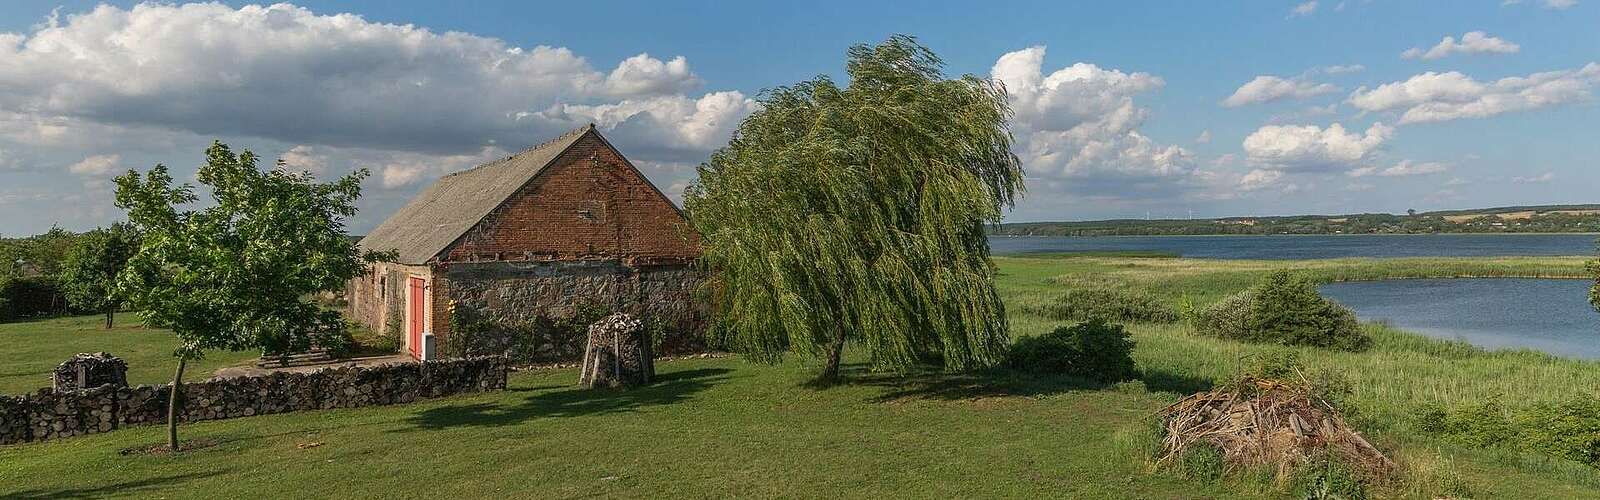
(29, 351)
(725, 427)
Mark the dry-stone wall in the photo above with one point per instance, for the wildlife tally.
(48, 414)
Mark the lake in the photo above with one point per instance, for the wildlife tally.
(1549, 315)
(1309, 246)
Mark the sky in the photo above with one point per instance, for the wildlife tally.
(1121, 109)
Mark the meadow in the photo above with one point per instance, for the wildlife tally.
(726, 427)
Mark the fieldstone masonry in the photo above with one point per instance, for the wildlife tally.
(518, 293)
(53, 414)
(86, 370)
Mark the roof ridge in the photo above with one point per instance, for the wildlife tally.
(560, 138)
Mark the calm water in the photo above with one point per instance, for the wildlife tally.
(1310, 247)
(1549, 315)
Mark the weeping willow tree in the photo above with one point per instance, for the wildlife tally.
(855, 216)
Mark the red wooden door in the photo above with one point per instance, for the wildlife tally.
(415, 317)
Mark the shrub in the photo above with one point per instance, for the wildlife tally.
(388, 340)
(1570, 429)
(336, 339)
(1111, 304)
(1093, 350)
(1477, 425)
(31, 297)
(1285, 309)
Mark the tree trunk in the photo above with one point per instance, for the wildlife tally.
(830, 373)
(172, 405)
(111, 313)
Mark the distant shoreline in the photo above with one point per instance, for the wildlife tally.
(1507, 233)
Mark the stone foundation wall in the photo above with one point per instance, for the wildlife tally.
(516, 295)
(48, 414)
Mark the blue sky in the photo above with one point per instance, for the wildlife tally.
(1124, 108)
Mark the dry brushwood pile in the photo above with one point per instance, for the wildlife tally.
(1264, 422)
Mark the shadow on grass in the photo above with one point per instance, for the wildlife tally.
(999, 382)
(116, 489)
(668, 388)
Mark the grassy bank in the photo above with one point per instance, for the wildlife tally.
(1030, 281)
(725, 427)
(29, 351)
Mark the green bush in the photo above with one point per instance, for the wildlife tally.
(1327, 478)
(31, 297)
(1111, 304)
(1093, 350)
(1570, 429)
(389, 340)
(1477, 425)
(1284, 309)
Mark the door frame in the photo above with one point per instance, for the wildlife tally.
(416, 314)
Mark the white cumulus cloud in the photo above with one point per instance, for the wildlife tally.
(1431, 97)
(1405, 168)
(285, 73)
(1268, 88)
(1304, 9)
(96, 166)
(1080, 123)
(1313, 148)
(1473, 42)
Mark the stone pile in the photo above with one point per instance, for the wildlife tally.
(618, 353)
(52, 414)
(90, 370)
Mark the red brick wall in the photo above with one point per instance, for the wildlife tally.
(588, 204)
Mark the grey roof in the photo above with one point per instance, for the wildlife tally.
(444, 211)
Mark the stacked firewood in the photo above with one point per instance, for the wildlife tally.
(618, 353)
(1263, 422)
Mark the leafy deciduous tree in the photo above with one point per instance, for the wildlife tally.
(236, 275)
(857, 213)
(89, 271)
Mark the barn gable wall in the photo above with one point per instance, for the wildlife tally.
(587, 204)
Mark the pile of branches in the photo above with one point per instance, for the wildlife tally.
(1264, 422)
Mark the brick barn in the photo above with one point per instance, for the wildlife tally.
(566, 224)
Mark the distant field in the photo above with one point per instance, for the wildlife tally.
(725, 427)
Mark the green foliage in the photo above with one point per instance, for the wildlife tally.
(89, 272)
(1093, 350)
(389, 340)
(236, 274)
(1285, 309)
(1202, 461)
(857, 213)
(31, 297)
(1569, 429)
(1325, 477)
(469, 332)
(1110, 303)
(1477, 425)
(38, 255)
